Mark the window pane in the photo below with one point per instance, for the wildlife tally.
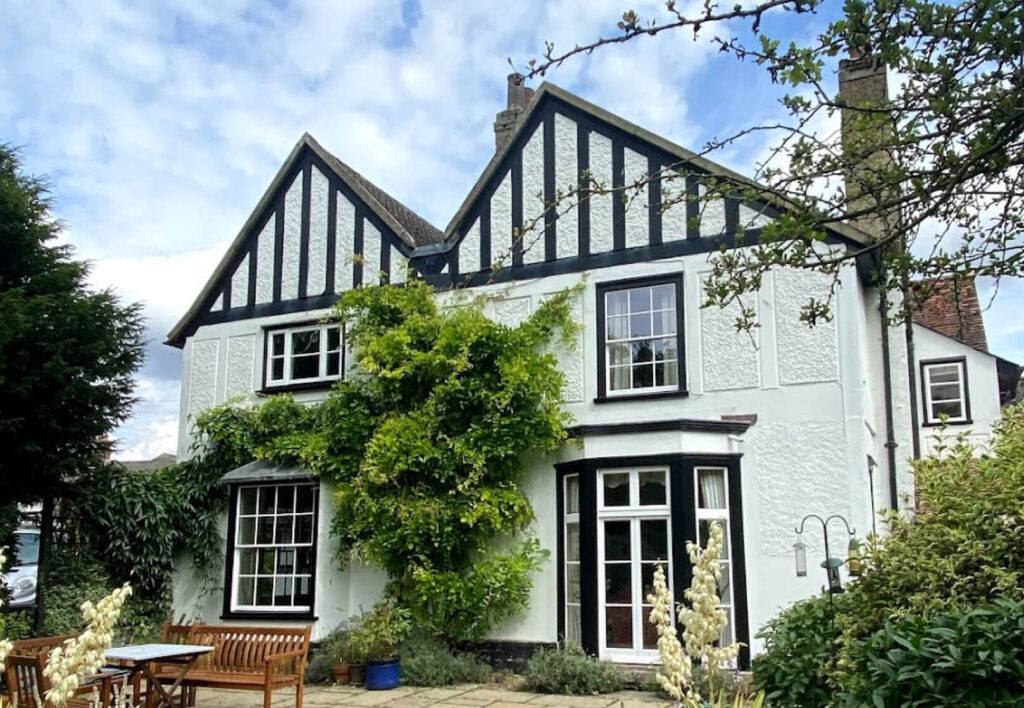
(665, 349)
(664, 297)
(333, 338)
(711, 488)
(946, 392)
(304, 560)
(724, 585)
(643, 376)
(654, 539)
(640, 299)
(247, 500)
(572, 542)
(304, 498)
(619, 378)
(264, 591)
(705, 530)
(245, 591)
(285, 561)
(268, 499)
(619, 627)
(285, 500)
(303, 592)
(665, 322)
(572, 582)
(616, 302)
(283, 591)
(283, 534)
(267, 556)
(618, 583)
(650, 631)
(950, 408)
(573, 627)
(304, 529)
(652, 488)
(666, 373)
(616, 489)
(247, 562)
(277, 344)
(277, 370)
(333, 364)
(246, 532)
(616, 540)
(618, 354)
(944, 374)
(572, 495)
(305, 367)
(647, 571)
(640, 325)
(618, 328)
(307, 342)
(265, 530)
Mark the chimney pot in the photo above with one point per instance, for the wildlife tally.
(519, 97)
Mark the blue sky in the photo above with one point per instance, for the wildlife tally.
(161, 124)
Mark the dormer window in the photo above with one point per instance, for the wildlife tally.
(305, 355)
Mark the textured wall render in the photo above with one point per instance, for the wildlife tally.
(638, 206)
(371, 254)
(712, 214)
(345, 230)
(292, 240)
(806, 354)
(501, 222)
(533, 197)
(399, 267)
(240, 284)
(752, 218)
(316, 281)
(601, 234)
(218, 304)
(513, 311)
(241, 361)
(202, 392)
(566, 178)
(570, 357)
(802, 469)
(673, 202)
(265, 263)
(730, 357)
(469, 250)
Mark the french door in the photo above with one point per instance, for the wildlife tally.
(634, 538)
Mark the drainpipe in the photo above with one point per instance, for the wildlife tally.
(890, 428)
(915, 430)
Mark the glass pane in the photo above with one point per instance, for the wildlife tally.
(616, 489)
(283, 534)
(711, 488)
(950, 408)
(944, 374)
(268, 500)
(305, 367)
(333, 364)
(572, 582)
(618, 379)
(247, 500)
(667, 373)
(640, 299)
(725, 585)
(647, 571)
(283, 591)
(619, 627)
(665, 349)
(246, 532)
(640, 325)
(247, 562)
(664, 297)
(245, 591)
(303, 592)
(572, 542)
(705, 530)
(616, 540)
(618, 583)
(573, 631)
(665, 322)
(618, 354)
(572, 495)
(285, 500)
(618, 327)
(285, 561)
(654, 539)
(265, 530)
(304, 529)
(277, 370)
(946, 392)
(304, 560)
(652, 488)
(333, 338)
(264, 591)
(726, 639)
(267, 556)
(643, 353)
(304, 498)
(307, 342)
(277, 344)
(650, 631)
(643, 376)
(616, 302)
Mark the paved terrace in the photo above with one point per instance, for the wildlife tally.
(414, 697)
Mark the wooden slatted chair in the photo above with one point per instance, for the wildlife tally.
(28, 686)
(248, 658)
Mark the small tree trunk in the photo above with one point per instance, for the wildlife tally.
(43, 569)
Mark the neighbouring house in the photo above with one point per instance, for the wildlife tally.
(682, 420)
(157, 463)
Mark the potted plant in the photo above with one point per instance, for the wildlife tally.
(376, 641)
(335, 648)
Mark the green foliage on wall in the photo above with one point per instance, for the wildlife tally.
(423, 445)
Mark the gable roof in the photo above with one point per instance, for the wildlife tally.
(950, 307)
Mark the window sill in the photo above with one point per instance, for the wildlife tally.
(951, 423)
(264, 615)
(642, 396)
(304, 386)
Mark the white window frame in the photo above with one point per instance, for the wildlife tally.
(571, 518)
(723, 516)
(608, 343)
(288, 333)
(237, 549)
(927, 386)
(634, 513)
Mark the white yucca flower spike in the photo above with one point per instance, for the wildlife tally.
(675, 675)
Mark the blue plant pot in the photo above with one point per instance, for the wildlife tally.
(382, 676)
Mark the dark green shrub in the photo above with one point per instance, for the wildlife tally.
(963, 658)
(328, 653)
(798, 652)
(16, 624)
(433, 664)
(569, 670)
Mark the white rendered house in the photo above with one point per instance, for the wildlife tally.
(681, 420)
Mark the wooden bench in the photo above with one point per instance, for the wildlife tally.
(248, 658)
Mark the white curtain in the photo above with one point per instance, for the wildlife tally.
(712, 489)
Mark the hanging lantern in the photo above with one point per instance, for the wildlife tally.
(853, 563)
(800, 551)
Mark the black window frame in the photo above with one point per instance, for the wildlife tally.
(926, 416)
(268, 387)
(683, 504)
(602, 289)
(229, 561)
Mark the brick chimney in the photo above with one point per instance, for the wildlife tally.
(518, 99)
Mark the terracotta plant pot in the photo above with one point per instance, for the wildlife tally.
(342, 674)
(357, 672)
